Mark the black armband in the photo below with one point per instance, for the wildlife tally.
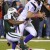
(27, 19)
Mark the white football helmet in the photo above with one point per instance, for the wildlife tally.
(11, 10)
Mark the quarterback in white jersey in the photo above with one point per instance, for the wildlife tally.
(30, 11)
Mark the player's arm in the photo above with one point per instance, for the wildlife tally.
(35, 15)
(31, 13)
(15, 22)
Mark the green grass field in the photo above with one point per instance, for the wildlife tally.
(33, 44)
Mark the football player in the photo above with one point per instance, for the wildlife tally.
(31, 10)
(11, 16)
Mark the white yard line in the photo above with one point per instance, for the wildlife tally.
(3, 40)
(39, 49)
(40, 40)
(30, 40)
(12, 49)
(32, 49)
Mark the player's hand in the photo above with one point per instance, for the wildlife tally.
(42, 15)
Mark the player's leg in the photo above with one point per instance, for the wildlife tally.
(21, 29)
(32, 34)
(22, 44)
(14, 45)
(13, 39)
(24, 47)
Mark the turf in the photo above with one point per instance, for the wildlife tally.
(42, 45)
(4, 46)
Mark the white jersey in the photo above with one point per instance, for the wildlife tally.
(10, 36)
(29, 7)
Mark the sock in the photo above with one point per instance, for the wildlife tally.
(14, 45)
(29, 37)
